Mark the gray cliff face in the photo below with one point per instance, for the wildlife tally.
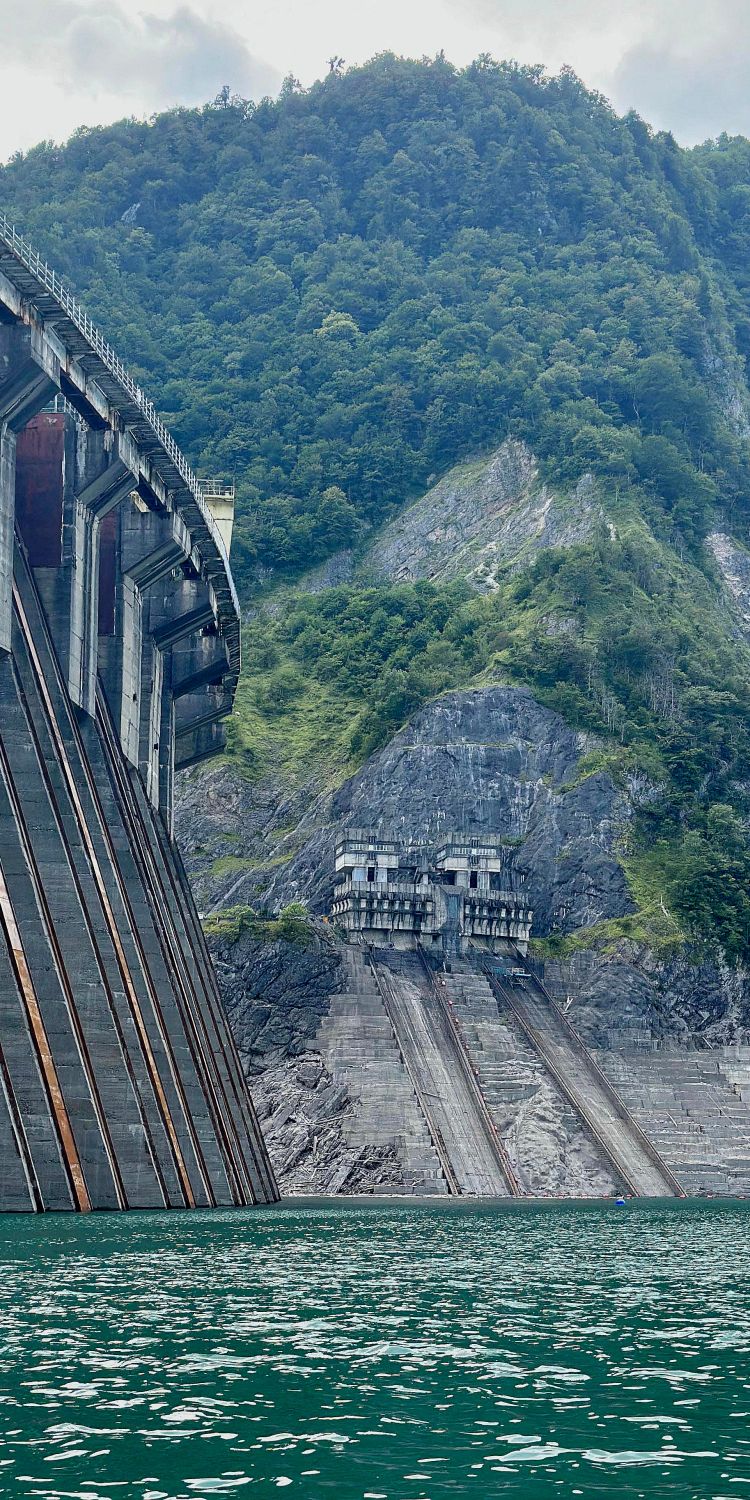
(632, 999)
(276, 993)
(480, 519)
(487, 761)
(733, 562)
(492, 761)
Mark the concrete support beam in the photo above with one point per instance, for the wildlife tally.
(198, 744)
(152, 544)
(209, 667)
(26, 385)
(185, 623)
(154, 693)
(204, 707)
(29, 375)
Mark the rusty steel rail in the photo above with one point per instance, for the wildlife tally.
(69, 1149)
(435, 1132)
(32, 1006)
(605, 1083)
(186, 998)
(491, 1131)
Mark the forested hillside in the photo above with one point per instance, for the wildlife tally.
(337, 296)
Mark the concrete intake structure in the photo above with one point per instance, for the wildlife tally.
(467, 890)
(120, 1084)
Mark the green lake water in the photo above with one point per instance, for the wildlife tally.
(378, 1351)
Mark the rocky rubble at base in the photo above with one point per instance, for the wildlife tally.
(301, 1111)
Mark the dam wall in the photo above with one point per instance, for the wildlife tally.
(120, 1084)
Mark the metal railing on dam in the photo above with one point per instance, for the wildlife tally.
(120, 1083)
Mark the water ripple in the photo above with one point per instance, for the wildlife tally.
(375, 1351)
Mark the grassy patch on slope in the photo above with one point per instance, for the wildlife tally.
(621, 636)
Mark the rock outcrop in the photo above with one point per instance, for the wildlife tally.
(480, 518)
(488, 760)
(491, 760)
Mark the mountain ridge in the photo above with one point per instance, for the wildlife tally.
(340, 296)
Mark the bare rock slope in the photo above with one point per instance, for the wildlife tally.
(480, 518)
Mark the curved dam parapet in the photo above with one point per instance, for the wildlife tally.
(120, 1085)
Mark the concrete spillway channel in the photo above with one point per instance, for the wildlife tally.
(633, 1157)
(472, 1158)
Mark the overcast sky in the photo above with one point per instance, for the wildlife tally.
(683, 64)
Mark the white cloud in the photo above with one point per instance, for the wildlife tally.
(94, 61)
(689, 73)
(682, 64)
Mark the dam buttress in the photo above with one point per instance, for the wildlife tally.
(120, 1084)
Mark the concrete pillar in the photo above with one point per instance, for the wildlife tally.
(7, 518)
(151, 547)
(198, 664)
(152, 720)
(106, 473)
(206, 706)
(28, 381)
(174, 610)
(198, 743)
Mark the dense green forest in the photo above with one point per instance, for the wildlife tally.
(336, 296)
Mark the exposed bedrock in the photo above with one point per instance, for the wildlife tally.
(489, 760)
(480, 519)
(492, 761)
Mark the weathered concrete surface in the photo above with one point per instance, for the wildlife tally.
(551, 1152)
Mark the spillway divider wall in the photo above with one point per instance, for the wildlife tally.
(44, 1051)
(436, 1135)
(601, 1077)
(473, 1082)
(104, 899)
(186, 998)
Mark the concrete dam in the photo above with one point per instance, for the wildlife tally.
(120, 1084)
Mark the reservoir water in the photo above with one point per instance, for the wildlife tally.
(375, 1351)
